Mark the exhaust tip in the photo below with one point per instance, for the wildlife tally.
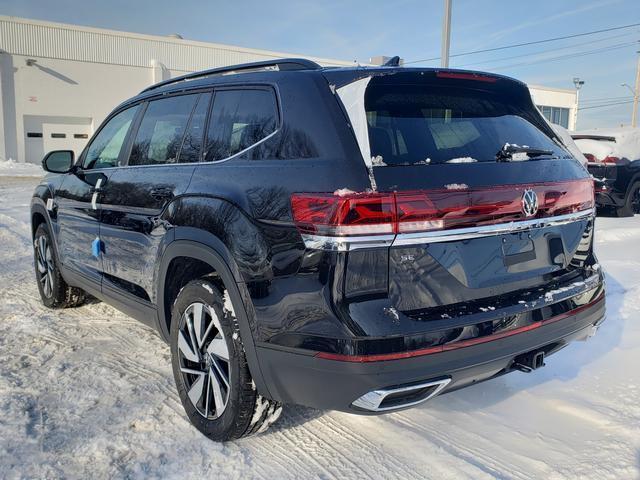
(396, 398)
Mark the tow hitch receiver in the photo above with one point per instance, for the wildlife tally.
(528, 362)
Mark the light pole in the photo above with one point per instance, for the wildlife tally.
(446, 34)
(578, 84)
(636, 93)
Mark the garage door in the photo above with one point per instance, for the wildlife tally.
(46, 133)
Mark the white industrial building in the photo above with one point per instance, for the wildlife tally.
(59, 81)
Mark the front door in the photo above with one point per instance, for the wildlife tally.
(164, 151)
(78, 199)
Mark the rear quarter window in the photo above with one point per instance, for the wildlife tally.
(239, 119)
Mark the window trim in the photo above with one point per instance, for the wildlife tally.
(133, 129)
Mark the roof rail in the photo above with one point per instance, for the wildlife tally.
(278, 64)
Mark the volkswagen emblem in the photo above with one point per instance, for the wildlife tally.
(529, 203)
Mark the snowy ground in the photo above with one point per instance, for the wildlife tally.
(88, 392)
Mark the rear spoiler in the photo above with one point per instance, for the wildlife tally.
(601, 138)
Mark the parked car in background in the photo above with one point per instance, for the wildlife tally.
(614, 162)
(356, 239)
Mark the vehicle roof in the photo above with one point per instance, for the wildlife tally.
(259, 72)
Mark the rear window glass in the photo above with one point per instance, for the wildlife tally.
(411, 124)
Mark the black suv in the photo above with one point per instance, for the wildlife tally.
(357, 239)
(614, 164)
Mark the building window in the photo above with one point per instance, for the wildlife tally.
(34, 135)
(80, 135)
(58, 135)
(557, 115)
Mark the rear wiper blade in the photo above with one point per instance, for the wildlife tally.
(516, 153)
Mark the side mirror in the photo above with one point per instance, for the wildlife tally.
(58, 161)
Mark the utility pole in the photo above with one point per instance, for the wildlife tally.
(578, 84)
(446, 34)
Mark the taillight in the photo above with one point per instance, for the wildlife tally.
(350, 214)
(613, 161)
(429, 210)
(590, 157)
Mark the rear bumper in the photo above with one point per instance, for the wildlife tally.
(298, 376)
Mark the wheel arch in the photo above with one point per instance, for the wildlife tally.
(202, 246)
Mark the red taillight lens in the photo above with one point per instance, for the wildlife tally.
(612, 161)
(351, 214)
(422, 211)
(416, 213)
(590, 157)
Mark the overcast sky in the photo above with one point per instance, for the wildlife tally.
(357, 30)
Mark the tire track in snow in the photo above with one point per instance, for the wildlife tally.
(494, 467)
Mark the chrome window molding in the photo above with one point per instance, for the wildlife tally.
(345, 244)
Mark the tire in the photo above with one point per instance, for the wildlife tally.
(54, 291)
(631, 202)
(210, 367)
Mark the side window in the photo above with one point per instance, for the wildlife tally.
(160, 133)
(192, 143)
(105, 147)
(239, 119)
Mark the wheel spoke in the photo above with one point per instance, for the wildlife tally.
(198, 322)
(192, 371)
(217, 392)
(42, 265)
(207, 394)
(218, 347)
(222, 375)
(195, 392)
(189, 353)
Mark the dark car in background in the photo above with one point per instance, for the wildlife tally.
(357, 239)
(614, 162)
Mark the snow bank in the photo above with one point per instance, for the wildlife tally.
(12, 168)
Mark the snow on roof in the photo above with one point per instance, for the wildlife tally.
(626, 145)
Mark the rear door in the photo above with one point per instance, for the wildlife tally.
(163, 153)
(434, 140)
(78, 203)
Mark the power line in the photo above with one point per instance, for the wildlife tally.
(546, 51)
(606, 105)
(524, 44)
(621, 97)
(605, 99)
(570, 55)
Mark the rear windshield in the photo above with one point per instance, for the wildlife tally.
(426, 124)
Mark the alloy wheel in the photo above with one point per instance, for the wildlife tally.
(204, 360)
(45, 265)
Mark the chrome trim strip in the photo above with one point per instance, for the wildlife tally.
(489, 230)
(371, 401)
(345, 244)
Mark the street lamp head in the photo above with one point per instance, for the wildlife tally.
(578, 83)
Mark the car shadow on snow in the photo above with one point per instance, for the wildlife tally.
(563, 366)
